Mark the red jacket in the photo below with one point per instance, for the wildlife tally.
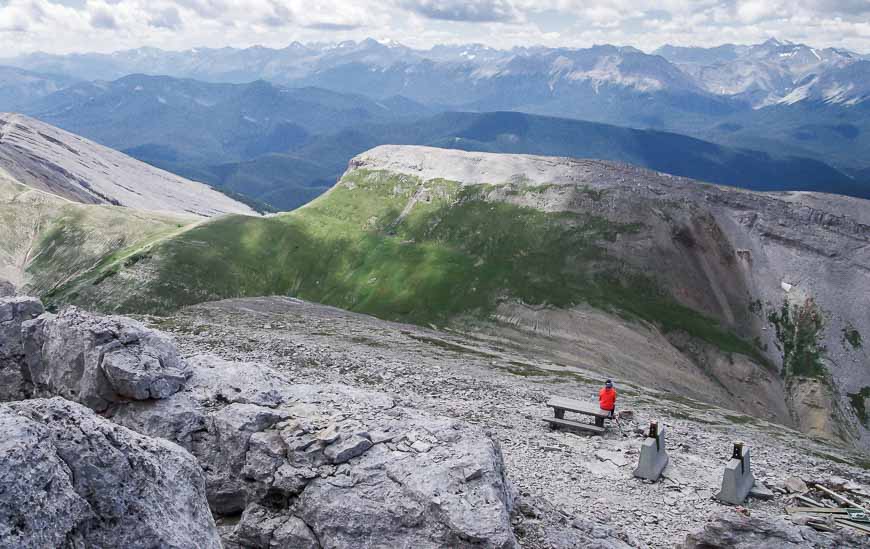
(607, 399)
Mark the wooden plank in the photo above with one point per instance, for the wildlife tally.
(820, 526)
(577, 406)
(813, 502)
(575, 425)
(840, 499)
(856, 525)
(835, 510)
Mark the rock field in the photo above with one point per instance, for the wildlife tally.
(299, 425)
(565, 480)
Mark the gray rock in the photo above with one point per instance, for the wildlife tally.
(272, 448)
(98, 360)
(14, 385)
(794, 485)
(740, 532)
(73, 479)
(262, 527)
(7, 289)
(302, 455)
(347, 449)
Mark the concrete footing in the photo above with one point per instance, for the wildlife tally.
(653, 455)
(737, 480)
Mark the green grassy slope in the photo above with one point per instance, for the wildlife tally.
(46, 241)
(401, 249)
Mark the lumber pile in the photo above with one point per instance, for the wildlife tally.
(831, 508)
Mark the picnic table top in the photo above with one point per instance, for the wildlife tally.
(577, 406)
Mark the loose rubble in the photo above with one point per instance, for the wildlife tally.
(329, 429)
(504, 390)
(349, 464)
(740, 532)
(73, 479)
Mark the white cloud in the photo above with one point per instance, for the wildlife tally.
(472, 11)
(106, 25)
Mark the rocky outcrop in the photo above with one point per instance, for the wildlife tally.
(331, 465)
(73, 479)
(98, 361)
(13, 312)
(740, 532)
(304, 465)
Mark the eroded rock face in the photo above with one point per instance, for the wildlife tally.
(98, 360)
(73, 479)
(331, 465)
(740, 532)
(13, 312)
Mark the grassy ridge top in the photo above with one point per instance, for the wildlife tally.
(401, 249)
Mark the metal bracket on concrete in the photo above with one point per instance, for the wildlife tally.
(737, 479)
(653, 454)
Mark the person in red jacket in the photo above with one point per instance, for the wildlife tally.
(607, 398)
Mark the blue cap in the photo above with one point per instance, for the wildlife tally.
(608, 383)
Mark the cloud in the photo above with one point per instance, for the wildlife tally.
(68, 25)
(103, 19)
(840, 7)
(209, 9)
(477, 11)
(167, 18)
(327, 26)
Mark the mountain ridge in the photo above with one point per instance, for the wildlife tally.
(298, 62)
(49, 159)
(524, 243)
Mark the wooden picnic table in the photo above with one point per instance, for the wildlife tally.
(561, 405)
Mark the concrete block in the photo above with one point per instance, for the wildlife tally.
(737, 480)
(653, 454)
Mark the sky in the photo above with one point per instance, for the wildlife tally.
(65, 26)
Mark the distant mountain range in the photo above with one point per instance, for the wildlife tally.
(776, 72)
(284, 146)
(279, 125)
(760, 74)
(19, 87)
(211, 122)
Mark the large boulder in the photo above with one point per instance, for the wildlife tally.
(98, 360)
(73, 479)
(13, 312)
(331, 464)
(740, 532)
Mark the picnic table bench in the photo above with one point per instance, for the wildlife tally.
(562, 405)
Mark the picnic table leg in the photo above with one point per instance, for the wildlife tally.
(560, 413)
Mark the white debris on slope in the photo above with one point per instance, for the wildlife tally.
(49, 159)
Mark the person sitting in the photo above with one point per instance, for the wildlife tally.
(607, 398)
